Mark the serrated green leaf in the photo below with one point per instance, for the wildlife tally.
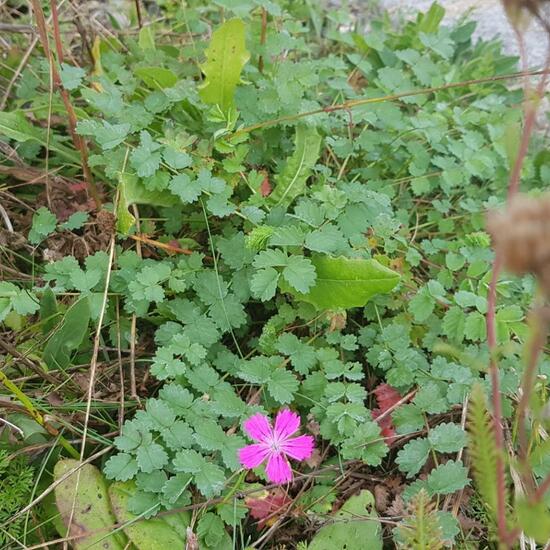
(413, 456)
(71, 77)
(447, 438)
(151, 457)
(43, 224)
(448, 478)
(349, 530)
(299, 272)
(121, 467)
(282, 385)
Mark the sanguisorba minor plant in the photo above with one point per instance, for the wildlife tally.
(260, 211)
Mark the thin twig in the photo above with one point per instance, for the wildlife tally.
(27, 362)
(93, 369)
(347, 105)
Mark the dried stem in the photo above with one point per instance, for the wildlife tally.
(263, 36)
(138, 13)
(78, 141)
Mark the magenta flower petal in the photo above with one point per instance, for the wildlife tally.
(286, 424)
(278, 469)
(258, 427)
(298, 448)
(252, 456)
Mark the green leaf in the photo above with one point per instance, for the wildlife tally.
(282, 385)
(534, 520)
(413, 456)
(122, 467)
(366, 444)
(448, 478)
(211, 530)
(454, 324)
(208, 477)
(209, 435)
(151, 457)
(132, 192)
(75, 221)
(71, 77)
(299, 272)
(349, 530)
(264, 283)
(43, 224)
(146, 38)
(291, 181)
(48, 311)
(149, 534)
(146, 158)
(176, 159)
(87, 506)
(454, 261)
(107, 135)
(226, 56)
(422, 305)
(343, 283)
(157, 78)
(69, 336)
(447, 438)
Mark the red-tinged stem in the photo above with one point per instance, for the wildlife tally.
(504, 536)
(78, 141)
(497, 403)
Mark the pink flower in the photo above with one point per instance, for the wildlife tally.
(275, 445)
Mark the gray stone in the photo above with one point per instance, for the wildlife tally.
(491, 19)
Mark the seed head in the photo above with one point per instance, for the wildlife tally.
(520, 236)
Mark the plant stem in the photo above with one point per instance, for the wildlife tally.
(262, 39)
(36, 414)
(78, 141)
(513, 188)
(138, 13)
(539, 334)
(346, 105)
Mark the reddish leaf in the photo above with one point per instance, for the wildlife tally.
(265, 187)
(386, 397)
(268, 506)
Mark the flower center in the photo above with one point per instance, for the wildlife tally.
(275, 445)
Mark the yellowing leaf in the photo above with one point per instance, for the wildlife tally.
(226, 57)
(161, 532)
(132, 192)
(88, 506)
(344, 283)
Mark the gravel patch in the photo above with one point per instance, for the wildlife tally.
(491, 22)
